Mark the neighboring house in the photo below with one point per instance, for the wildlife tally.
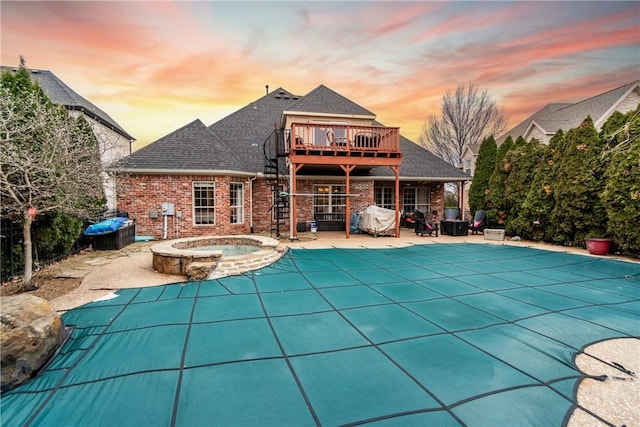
(278, 163)
(114, 141)
(543, 124)
(469, 159)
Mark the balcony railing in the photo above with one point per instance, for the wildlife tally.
(324, 139)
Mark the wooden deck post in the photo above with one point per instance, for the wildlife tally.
(347, 215)
(396, 171)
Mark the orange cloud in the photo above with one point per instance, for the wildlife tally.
(154, 66)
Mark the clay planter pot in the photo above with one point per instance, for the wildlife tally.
(597, 246)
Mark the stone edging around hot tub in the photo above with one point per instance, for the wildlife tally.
(169, 259)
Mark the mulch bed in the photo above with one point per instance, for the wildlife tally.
(47, 287)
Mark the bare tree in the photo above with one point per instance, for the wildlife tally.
(49, 161)
(467, 117)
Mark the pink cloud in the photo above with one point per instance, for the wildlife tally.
(148, 58)
(401, 17)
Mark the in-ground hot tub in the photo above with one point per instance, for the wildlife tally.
(244, 252)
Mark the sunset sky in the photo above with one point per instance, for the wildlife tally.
(155, 66)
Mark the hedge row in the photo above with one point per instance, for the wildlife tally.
(582, 184)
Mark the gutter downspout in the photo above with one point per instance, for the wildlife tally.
(251, 202)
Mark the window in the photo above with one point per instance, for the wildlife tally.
(329, 199)
(467, 166)
(204, 203)
(236, 202)
(416, 199)
(385, 197)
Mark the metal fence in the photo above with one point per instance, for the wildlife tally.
(11, 250)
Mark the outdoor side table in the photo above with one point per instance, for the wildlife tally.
(454, 228)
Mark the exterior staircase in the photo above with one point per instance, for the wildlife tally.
(275, 174)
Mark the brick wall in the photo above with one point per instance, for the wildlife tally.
(262, 203)
(437, 198)
(141, 195)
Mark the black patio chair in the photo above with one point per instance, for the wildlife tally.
(408, 219)
(479, 222)
(426, 227)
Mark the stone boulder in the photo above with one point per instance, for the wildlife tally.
(200, 270)
(30, 333)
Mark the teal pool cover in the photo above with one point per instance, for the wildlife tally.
(427, 335)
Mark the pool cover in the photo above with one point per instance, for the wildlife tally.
(442, 335)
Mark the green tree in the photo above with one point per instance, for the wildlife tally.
(54, 233)
(495, 198)
(525, 158)
(578, 181)
(621, 196)
(539, 201)
(49, 161)
(484, 169)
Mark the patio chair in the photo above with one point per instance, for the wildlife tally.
(408, 219)
(479, 222)
(450, 214)
(426, 227)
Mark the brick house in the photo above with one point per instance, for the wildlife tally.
(277, 164)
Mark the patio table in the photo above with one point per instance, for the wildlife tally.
(454, 227)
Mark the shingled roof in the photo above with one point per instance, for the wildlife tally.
(193, 148)
(235, 143)
(326, 101)
(420, 164)
(565, 116)
(246, 130)
(59, 93)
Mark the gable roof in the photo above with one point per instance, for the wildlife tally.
(235, 143)
(191, 148)
(247, 128)
(473, 149)
(565, 116)
(325, 101)
(59, 93)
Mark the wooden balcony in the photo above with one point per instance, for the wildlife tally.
(322, 144)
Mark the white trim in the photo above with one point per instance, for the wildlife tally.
(205, 172)
(533, 123)
(307, 177)
(241, 206)
(211, 184)
(602, 119)
(328, 115)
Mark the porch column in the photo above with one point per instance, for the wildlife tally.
(462, 184)
(293, 199)
(396, 171)
(347, 216)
